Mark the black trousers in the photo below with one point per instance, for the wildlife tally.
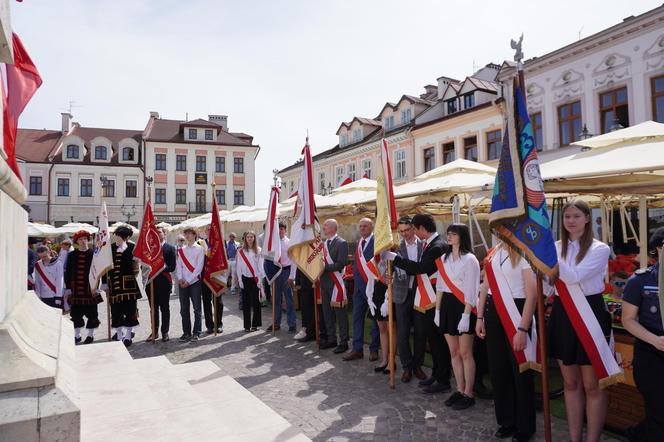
(89, 311)
(307, 301)
(513, 392)
(162, 295)
(648, 366)
(405, 315)
(207, 308)
(426, 331)
(268, 290)
(124, 314)
(250, 303)
(481, 360)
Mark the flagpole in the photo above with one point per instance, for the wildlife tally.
(148, 180)
(390, 322)
(104, 183)
(316, 290)
(213, 295)
(274, 296)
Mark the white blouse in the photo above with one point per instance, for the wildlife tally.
(513, 275)
(589, 273)
(241, 268)
(466, 271)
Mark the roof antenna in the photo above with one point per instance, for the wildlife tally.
(186, 116)
(579, 34)
(72, 105)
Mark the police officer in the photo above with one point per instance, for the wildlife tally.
(642, 317)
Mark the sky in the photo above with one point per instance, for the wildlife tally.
(277, 68)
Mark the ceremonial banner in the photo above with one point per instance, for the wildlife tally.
(102, 259)
(306, 247)
(148, 247)
(271, 250)
(518, 206)
(386, 209)
(216, 262)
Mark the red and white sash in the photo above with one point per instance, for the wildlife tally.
(361, 263)
(45, 277)
(339, 290)
(425, 294)
(451, 282)
(590, 333)
(248, 264)
(509, 315)
(186, 262)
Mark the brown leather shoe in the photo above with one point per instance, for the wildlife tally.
(407, 376)
(373, 356)
(419, 374)
(353, 355)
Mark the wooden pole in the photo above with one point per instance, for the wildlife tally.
(214, 311)
(274, 297)
(152, 318)
(390, 323)
(541, 331)
(108, 310)
(316, 290)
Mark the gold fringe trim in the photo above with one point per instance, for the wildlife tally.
(424, 310)
(613, 379)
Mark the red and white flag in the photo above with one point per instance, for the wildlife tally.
(148, 247)
(102, 259)
(271, 250)
(216, 262)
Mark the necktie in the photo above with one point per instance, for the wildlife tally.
(364, 242)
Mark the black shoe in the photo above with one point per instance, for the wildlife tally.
(89, 340)
(133, 334)
(114, 337)
(77, 340)
(341, 348)
(454, 397)
(482, 392)
(247, 330)
(326, 345)
(380, 368)
(427, 382)
(387, 369)
(194, 338)
(185, 338)
(292, 329)
(436, 388)
(504, 432)
(306, 339)
(521, 437)
(209, 331)
(253, 329)
(463, 403)
(127, 342)
(220, 330)
(276, 327)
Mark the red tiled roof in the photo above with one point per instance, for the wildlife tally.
(169, 131)
(34, 145)
(114, 135)
(199, 122)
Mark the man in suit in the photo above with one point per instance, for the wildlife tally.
(365, 247)
(163, 286)
(337, 249)
(425, 329)
(403, 295)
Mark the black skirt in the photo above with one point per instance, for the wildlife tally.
(451, 310)
(564, 344)
(379, 294)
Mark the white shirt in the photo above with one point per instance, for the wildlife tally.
(466, 273)
(411, 249)
(285, 259)
(366, 241)
(513, 275)
(241, 268)
(121, 248)
(54, 271)
(428, 241)
(195, 255)
(589, 273)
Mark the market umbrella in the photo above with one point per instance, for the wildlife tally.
(71, 228)
(647, 131)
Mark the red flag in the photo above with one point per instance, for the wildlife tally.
(347, 181)
(148, 247)
(216, 261)
(22, 82)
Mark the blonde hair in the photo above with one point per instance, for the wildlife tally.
(245, 244)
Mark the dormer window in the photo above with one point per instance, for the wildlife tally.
(357, 135)
(389, 122)
(101, 153)
(208, 134)
(468, 101)
(192, 134)
(405, 116)
(451, 106)
(127, 154)
(344, 139)
(72, 151)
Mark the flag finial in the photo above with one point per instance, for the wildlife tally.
(518, 54)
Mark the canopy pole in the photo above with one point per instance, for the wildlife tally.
(643, 231)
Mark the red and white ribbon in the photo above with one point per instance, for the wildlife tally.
(362, 263)
(425, 294)
(339, 290)
(248, 264)
(44, 276)
(451, 282)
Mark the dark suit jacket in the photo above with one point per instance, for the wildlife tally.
(400, 279)
(358, 283)
(427, 263)
(338, 249)
(161, 282)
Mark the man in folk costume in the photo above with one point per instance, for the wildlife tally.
(424, 303)
(123, 287)
(207, 296)
(49, 277)
(163, 286)
(80, 297)
(333, 291)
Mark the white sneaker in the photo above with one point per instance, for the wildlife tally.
(301, 334)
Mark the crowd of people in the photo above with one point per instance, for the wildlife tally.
(444, 300)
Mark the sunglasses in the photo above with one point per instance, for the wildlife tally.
(619, 283)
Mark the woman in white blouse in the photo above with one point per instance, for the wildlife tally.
(454, 317)
(249, 271)
(582, 260)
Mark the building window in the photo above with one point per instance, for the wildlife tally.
(180, 196)
(493, 144)
(357, 135)
(108, 190)
(127, 154)
(344, 139)
(429, 159)
(569, 122)
(451, 106)
(321, 182)
(406, 115)
(181, 163)
(366, 168)
(449, 153)
(614, 109)
(130, 189)
(238, 165)
(35, 185)
(536, 121)
(160, 161)
(470, 148)
(160, 196)
(200, 200)
(400, 163)
(86, 186)
(72, 151)
(63, 186)
(208, 134)
(238, 197)
(468, 101)
(220, 164)
(657, 88)
(389, 122)
(351, 171)
(101, 153)
(340, 175)
(192, 134)
(200, 163)
(221, 197)
(290, 190)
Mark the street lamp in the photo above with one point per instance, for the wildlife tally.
(128, 212)
(329, 187)
(616, 125)
(584, 135)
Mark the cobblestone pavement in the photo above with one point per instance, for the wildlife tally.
(327, 398)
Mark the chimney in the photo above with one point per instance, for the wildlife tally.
(154, 114)
(66, 122)
(221, 120)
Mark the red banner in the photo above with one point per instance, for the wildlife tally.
(216, 261)
(148, 247)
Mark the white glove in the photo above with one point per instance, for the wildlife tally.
(384, 309)
(436, 318)
(372, 306)
(390, 255)
(104, 287)
(101, 293)
(67, 292)
(464, 323)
